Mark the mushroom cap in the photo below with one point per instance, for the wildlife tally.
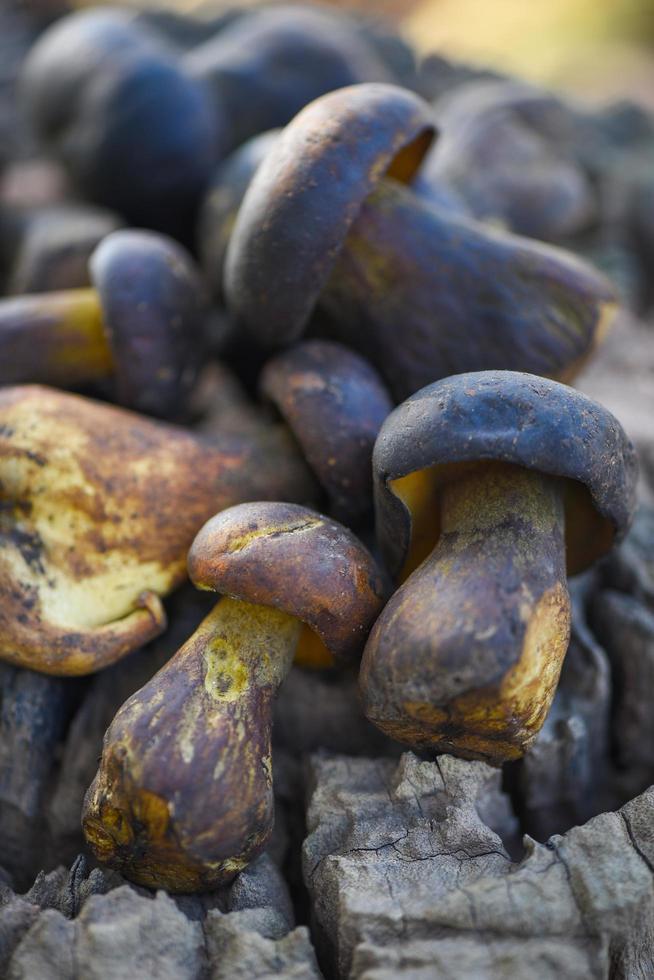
(222, 201)
(296, 560)
(110, 100)
(334, 403)
(98, 508)
(268, 63)
(493, 153)
(307, 192)
(154, 311)
(511, 417)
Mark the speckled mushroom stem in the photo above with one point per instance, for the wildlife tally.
(468, 297)
(466, 656)
(54, 338)
(183, 797)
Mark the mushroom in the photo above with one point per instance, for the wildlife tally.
(328, 220)
(267, 64)
(48, 248)
(183, 797)
(111, 101)
(140, 125)
(493, 153)
(98, 507)
(222, 201)
(334, 403)
(142, 323)
(486, 486)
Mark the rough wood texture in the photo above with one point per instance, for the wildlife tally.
(410, 875)
(73, 924)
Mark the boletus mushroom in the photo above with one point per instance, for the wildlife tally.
(183, 797)
(142, 323)
(487, 485)
(98, 507)
(334, 403)
(330, 220)
(110, 100)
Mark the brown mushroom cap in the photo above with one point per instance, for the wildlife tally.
(296, 560)
(307, 192)
(334, 403)
(511, 417)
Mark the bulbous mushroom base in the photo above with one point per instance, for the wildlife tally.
(466, 656)
(183, 798)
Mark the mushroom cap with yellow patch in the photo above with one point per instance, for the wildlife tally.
(295, 560)
(98, 507)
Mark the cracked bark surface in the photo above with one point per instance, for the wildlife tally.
(410, 875)
(72, 924)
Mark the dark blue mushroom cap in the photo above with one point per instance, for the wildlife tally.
(304, 197)
(513, 418)
(154, 312)
(111, 102)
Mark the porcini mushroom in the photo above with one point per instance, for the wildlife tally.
(143, 323)
(221, 203)
(496, 152)
(329, 220)
(110, 100)
(486, 486)
(183, 796)
(98, 507)
(269, 62)
(334, 403)
(49, 248)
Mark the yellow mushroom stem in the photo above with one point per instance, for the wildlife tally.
(467, 654)
(183, 797)
(54, 338)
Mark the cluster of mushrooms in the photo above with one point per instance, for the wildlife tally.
(398, 355)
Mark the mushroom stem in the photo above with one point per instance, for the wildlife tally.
(183, 797)
(484, 621)
(54, 338)
(469, 297)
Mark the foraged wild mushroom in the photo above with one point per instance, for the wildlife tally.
(486, 486)
(98, 507)
(268, 63)
(221, 203)
(110, 100)
(496, 151)
(328, 220)
(334, 403)
(143, 323)
(47, 249)
(183, 797)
